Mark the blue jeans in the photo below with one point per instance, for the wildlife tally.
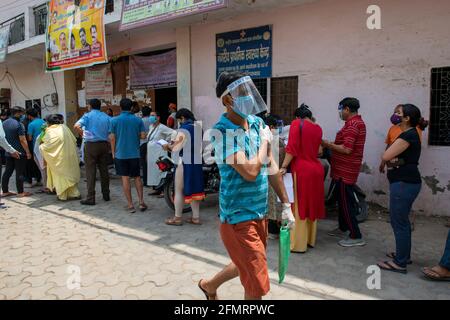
(402, 197)
(445, 261)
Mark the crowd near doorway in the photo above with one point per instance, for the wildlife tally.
(163, 97)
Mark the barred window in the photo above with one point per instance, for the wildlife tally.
(40, 19)
(17, 30)
(440, 107)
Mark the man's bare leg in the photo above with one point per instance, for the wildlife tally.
(127, 190)
(227, 273)
(140, 189)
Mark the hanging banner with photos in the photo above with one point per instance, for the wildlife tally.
(138, 13)
(247, 50)
(4, 42)
(75, 35)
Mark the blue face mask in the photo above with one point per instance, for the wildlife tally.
(152, 119)
(243, 106)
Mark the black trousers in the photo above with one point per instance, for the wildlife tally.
(348, 209)
(18, 165)
(32, 171)
(143, 160)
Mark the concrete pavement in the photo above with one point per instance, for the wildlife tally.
(57, 250)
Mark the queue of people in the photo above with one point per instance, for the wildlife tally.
(253, 198)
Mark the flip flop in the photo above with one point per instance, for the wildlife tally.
(194, 221)
(436, 277)
(130, 209)
(8, 194)
(143, 207)
(174, 221)
(207, 295)
(392, 255)
(388, 266)
(24, 194)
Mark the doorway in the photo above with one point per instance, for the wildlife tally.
(163, 97)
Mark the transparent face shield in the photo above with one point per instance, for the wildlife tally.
(246, 98)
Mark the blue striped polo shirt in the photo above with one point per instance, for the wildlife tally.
(239, 200)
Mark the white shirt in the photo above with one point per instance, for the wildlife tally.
(3, 142)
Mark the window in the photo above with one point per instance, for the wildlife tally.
(17, 30)
(284, 97)
(261, 85)
(40, 19)
(440, 107)
(109, 6)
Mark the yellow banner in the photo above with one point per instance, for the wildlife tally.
(75, 34)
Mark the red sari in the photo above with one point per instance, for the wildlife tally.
(307, 170)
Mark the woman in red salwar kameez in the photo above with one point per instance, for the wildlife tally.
(302, 152)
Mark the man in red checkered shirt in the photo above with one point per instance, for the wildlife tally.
(346, 159)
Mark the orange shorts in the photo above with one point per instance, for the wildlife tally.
(246, 245)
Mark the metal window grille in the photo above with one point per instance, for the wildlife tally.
(17, 30)
(40, 19)
(439, 134)
(261, 85)
(284, 97)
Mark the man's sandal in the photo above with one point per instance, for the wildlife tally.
(430, 274)
(174, 221)
(392, 255)
(130, 210)
(391, 266)
(194, 221)
(208, 296)
(8, 194)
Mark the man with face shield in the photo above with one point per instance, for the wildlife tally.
(346, 159)
(242, 149)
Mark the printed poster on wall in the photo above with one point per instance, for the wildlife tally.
(158, 71)
(138, 13)
(247, 50)
(99, 83)
(4, 42)
(75, 35)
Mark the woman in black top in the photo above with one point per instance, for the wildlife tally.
(402, 159)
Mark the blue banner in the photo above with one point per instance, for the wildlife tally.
(247, 50)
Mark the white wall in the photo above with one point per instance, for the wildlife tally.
(34, 83)
(328, 45)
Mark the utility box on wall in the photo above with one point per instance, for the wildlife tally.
(5, 93)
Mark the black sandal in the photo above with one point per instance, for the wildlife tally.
(392, 255)
(207, 295)
(391, 266)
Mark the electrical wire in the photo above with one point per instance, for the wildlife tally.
(54, 83)
(10, 76)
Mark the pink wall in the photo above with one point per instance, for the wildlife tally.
(327, 44)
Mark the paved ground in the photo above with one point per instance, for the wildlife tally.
(46, 244)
